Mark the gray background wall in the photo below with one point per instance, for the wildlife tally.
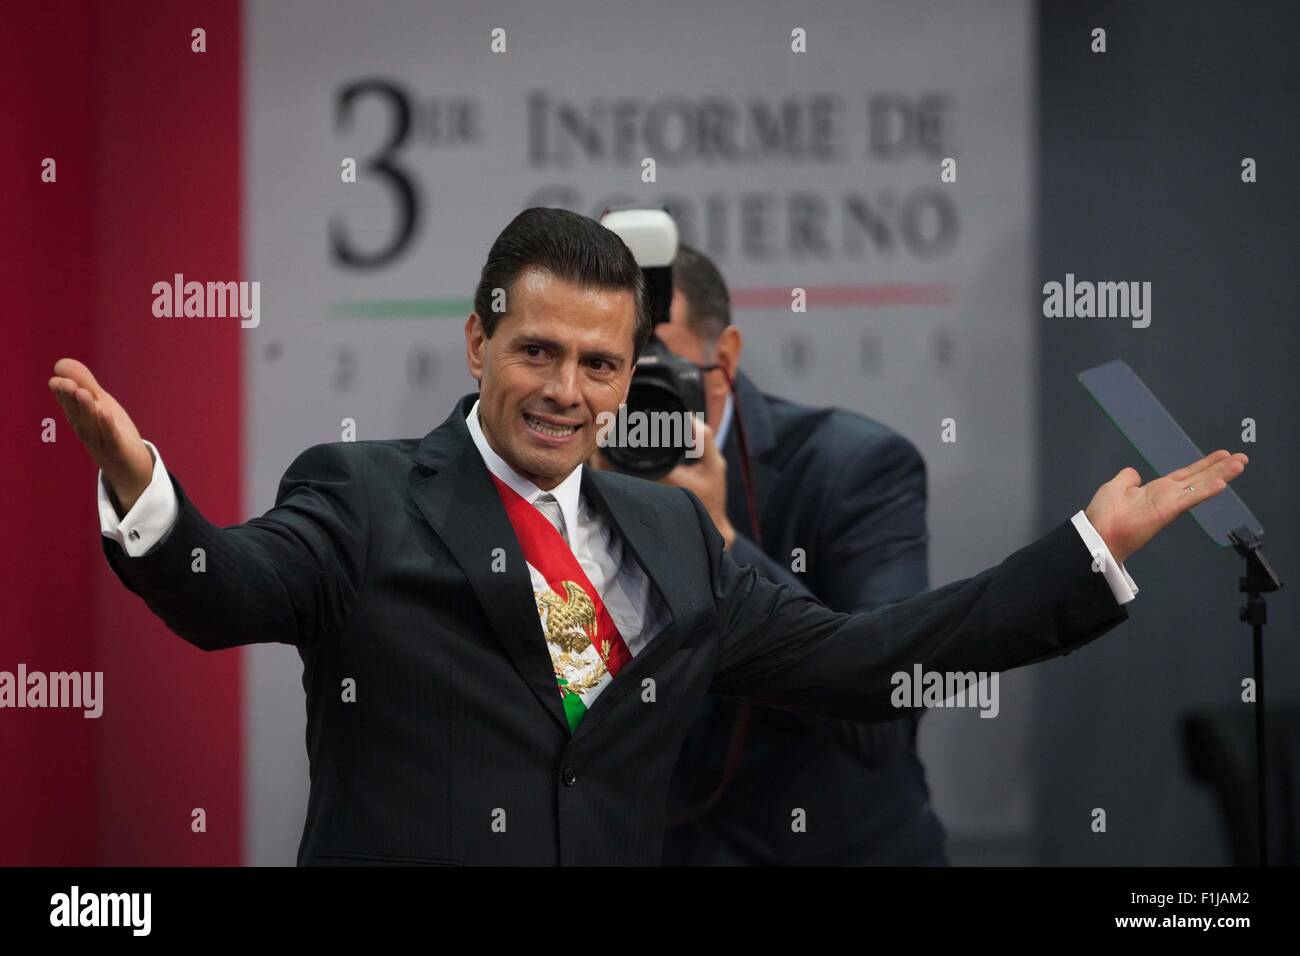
(966, 353)
(1139, 179)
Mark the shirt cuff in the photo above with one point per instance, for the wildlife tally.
(150, 519)
(1121, 585)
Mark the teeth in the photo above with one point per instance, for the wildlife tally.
(546, 429)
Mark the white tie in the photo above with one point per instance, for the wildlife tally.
(547, 505)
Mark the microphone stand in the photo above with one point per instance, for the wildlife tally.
(1259, 580)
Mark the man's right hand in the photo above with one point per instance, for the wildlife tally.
(106, 430)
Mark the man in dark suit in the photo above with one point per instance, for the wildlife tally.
(843, 498)
(503, 650)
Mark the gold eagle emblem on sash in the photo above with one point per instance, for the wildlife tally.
(569, 624)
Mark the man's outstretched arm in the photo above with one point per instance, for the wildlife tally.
(289, 576)
(1044, 600)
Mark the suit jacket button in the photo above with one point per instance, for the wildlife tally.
(569, 776)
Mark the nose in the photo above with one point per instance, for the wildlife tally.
(562, 388)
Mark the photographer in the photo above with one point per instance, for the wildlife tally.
(851, 494)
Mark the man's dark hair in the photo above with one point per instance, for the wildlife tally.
(708, 304)
(570, 247)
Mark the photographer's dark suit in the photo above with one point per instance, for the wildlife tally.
(378, 564)
(851, 494)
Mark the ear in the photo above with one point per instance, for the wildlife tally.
(475, 337)
(730, 344)
(726, 353)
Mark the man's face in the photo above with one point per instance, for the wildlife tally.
(560, 356)
(682, 341)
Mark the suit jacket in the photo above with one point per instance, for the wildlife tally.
(377, 563)
(851, 494)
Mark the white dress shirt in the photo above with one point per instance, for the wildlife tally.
(150, 519)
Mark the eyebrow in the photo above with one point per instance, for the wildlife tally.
(527, 339)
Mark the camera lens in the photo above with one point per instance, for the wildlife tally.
(651, 398)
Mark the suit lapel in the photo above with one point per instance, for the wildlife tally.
(642, 537)
(460, 502)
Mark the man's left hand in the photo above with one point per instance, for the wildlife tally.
(1127, 514)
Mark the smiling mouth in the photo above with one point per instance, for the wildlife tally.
(551, 431)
